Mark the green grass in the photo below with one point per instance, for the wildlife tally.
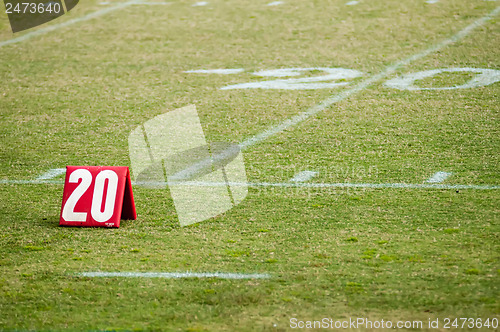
(72, 96)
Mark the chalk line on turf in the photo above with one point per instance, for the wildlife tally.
(333, 185)
(52, 173)
(275, 3)
(176, 275)
(303, 176)
(439, 177)
(200, 4)
(286, 184)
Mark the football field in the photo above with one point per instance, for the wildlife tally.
(370, 134)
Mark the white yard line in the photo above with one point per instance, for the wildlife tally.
(288, 123)
(275, 3)
(216, 71)
(439, 177)
(303, 176)
(153, 3)
(52, 173)
(337, 185)
(161, 184)
(176, 275)
(31, 181)
(49, 28)
(371, 185)
(200, 3)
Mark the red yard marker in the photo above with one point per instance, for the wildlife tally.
(97, 196)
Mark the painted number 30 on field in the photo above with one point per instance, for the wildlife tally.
(328, 78)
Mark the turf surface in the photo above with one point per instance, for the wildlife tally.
(72, 96)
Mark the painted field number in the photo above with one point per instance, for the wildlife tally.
(329, 78)
(97, 196)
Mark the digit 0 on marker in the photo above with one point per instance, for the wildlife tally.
(97, 196)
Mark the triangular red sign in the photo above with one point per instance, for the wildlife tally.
(97, 196)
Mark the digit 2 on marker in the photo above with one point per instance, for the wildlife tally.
(97, 196)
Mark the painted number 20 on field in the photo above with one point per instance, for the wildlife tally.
(328, 78)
